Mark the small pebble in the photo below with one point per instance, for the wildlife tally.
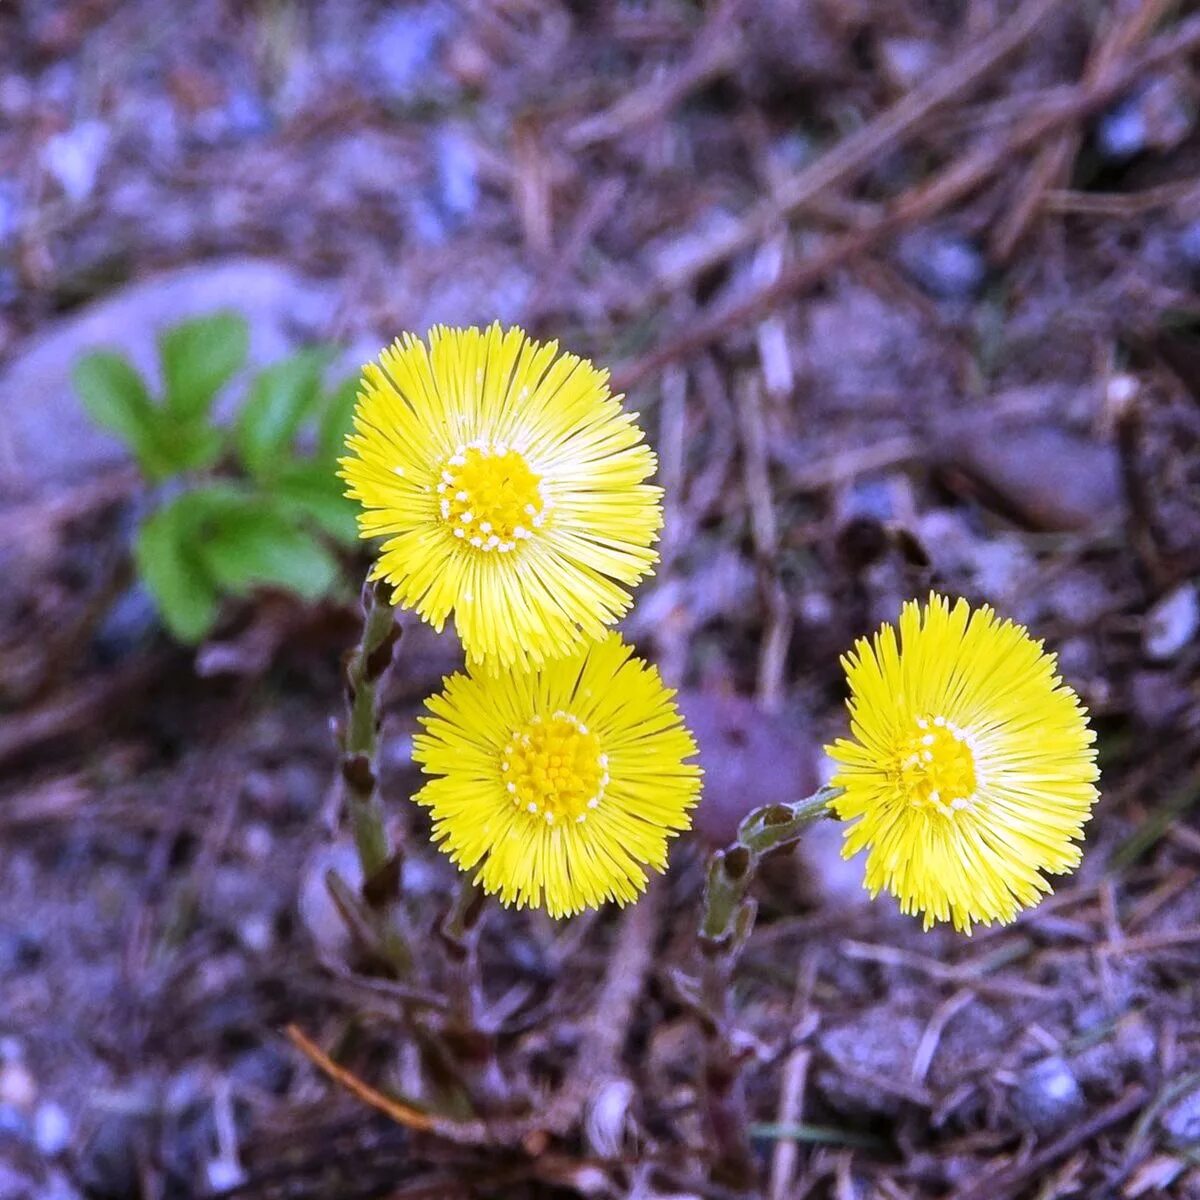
(73, 158)
(127, 626)
(1171, 624)
(1122, 132)
(1189, 244)
(1181, 1122)
(945, 265)
(317, 910)
(405, 47)
(224, 1174)
(17, 1086)
(1048, 1095)
(51, 1128)
(457, 172)
(257, 841)
(256, 933)
(14, 1121)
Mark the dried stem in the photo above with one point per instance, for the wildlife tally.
(471, 1041)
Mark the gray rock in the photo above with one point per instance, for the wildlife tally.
(1122, 132)
(457, 172)
(317, 910)
(1189, 244)
(127, 626)
(876, 1044)
(1172, 623)
(906, 61)
(108, 1164)
(1043, 476)
(1158, 116)
(750, 758)
(47, 435)
(404, 51)
(51, 1128)
(945, 265)
(830, 880)
(1181, 1122)
(1048, 1095)
(73, 158)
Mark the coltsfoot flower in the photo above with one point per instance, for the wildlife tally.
(509, 483)
(971, 771)
(558, 786)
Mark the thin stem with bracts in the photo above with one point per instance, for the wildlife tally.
(365, 667)
(727, 919)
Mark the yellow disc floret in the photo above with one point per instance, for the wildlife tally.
(935, 766)
(554, 769)
(489, 498)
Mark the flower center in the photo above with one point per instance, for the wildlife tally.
(489, 497)
(935, 768)
(553, 768)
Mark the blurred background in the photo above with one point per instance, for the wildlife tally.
(906, 294)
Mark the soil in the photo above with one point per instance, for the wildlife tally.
(906, 294)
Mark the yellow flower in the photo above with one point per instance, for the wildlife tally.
(558, 785)
(509, 483)
(972, 768)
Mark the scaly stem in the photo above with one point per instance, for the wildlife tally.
(358, 737)
(731, 871)
(365, 667)
(725, 925)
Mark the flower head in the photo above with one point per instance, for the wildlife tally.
(971, 770)
(558, 785)
(509, 484)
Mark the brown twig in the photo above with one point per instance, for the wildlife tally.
(715, 49)
(996, 1185)
(1053, 162)
(765, 531)
(402, 1114)
(791, 1104)
(855, 153)
(918, 204)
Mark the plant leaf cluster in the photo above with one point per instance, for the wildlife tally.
(253, 504)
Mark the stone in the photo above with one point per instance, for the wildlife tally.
(750, 758)
(1181, 1122)
(1048, 1095)
(1171, 624)
(1042, 476)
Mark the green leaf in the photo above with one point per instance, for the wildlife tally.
(312, 491)
(194, 445)
(115, 397)
(337, 419)
(255, 545)
(198, 358)
(165, 553)
(279, 400)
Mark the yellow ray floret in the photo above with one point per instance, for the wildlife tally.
(971, 770)
(509, 484)
(559, 785)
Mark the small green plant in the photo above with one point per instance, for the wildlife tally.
(257, 504)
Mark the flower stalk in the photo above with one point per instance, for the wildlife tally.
(365, 668)
(727, 919)
(731, 871)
